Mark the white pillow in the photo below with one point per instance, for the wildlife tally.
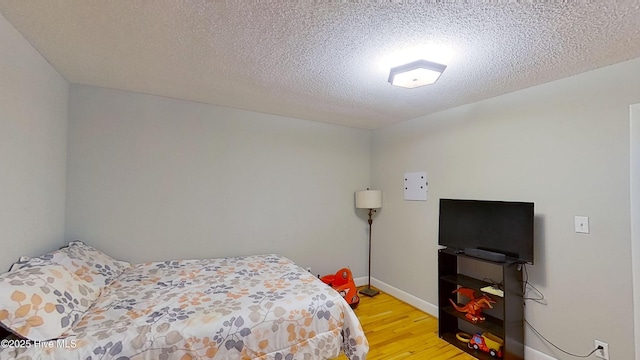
(41, 303)
(83, 260)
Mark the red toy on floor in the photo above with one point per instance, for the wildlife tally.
(343, 283)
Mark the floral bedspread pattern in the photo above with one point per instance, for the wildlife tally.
(252, 307)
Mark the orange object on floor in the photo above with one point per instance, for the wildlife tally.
(342, 282)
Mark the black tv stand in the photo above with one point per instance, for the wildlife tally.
(506, 319)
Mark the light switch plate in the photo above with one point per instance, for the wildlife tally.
(582, 224)
(415, 186)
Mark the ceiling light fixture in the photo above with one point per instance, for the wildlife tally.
(415, 74)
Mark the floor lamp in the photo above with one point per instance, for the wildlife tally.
(369, 199)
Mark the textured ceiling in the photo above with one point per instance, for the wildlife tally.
(321, 61)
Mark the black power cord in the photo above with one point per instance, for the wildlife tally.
(540, 299)
(554, 345)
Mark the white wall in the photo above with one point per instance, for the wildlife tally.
(152, 178)
(33, 128)
(635, 217)
(563, 145)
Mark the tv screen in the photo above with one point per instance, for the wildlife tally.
(498, 226)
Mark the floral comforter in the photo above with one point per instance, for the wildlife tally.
(252, 307)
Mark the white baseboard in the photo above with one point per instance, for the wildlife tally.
(423, 305)
(431, 309)
(533, 354)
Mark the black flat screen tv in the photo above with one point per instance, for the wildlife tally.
(499, 226)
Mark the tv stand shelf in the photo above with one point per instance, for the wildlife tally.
(466, 281)
(506, 320)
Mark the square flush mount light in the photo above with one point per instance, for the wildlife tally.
(415, 74)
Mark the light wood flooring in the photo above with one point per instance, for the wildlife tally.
(397, 330)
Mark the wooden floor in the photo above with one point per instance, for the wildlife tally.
(397, 330)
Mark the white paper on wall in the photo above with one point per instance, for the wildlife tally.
(415, 186)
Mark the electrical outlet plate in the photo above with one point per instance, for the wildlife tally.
(604, 353)
(582, 224)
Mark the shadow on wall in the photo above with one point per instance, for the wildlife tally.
(537, 271)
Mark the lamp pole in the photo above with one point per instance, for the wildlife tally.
(369, 291)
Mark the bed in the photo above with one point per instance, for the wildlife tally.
(78, 303)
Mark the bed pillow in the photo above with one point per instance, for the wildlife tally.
(83, 260)
(41, 303)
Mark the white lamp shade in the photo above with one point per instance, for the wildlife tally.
(369, 199)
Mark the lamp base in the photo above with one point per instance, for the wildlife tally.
(369, 292)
